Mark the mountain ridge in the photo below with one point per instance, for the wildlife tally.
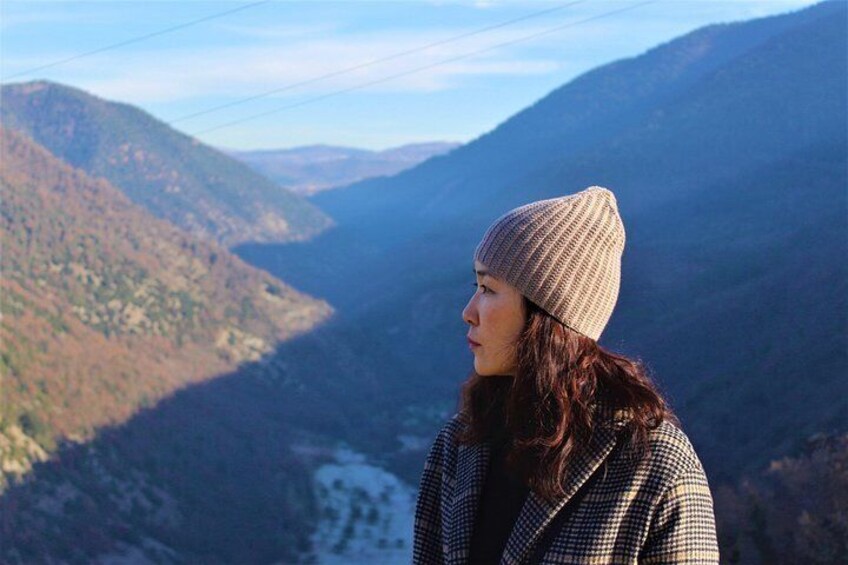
(171, 174)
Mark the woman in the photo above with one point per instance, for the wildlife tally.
(561, 451)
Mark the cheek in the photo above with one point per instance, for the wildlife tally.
(506, 325)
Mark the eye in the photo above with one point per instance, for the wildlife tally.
(484, 287)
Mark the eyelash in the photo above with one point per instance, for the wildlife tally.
(475, 285)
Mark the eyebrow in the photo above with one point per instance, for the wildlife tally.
(480, 273)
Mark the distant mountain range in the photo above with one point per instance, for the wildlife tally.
(311, 169)
(172, 175)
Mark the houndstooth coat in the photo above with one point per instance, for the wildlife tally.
(655, 510)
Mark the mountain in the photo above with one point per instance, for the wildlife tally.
(308, 170)
(798, 503)
(106, 309)
(172, 175)
(726, 149)
(119, 424)
(683, 86)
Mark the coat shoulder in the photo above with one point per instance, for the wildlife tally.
(446, 438)
(451, 430)
(671, 452)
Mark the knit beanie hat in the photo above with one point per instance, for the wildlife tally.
(564, 254)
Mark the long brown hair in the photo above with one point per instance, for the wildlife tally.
(546, 410)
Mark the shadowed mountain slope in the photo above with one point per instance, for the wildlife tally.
(726, 149)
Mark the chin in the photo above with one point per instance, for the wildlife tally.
(486, 371)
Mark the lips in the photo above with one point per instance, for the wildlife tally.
(472, 343)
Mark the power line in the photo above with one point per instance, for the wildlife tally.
(370, 63)
(422, 68)
(136, 39)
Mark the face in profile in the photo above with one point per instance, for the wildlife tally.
(496, 316)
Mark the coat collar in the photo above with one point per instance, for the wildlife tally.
(537, 513)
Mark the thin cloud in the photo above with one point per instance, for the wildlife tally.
(154, 77)
(278, 31)
(22, 19)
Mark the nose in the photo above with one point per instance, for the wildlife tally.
(469, 313)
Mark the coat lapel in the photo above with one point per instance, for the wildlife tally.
(471, 466)
(471, 469)
(537, 512)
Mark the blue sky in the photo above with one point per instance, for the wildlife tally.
(268, 46)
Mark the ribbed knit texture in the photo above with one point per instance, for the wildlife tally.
(564, 254)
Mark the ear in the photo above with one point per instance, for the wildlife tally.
(525, 308)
